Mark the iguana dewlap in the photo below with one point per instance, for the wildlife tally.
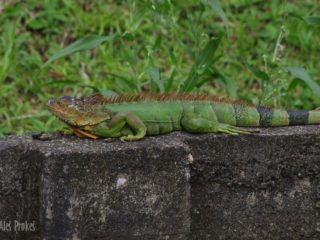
(131, 117)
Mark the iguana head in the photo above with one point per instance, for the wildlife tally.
(76, 112)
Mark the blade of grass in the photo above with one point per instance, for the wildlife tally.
(216, 6)
(207, 54)
(126, 83)
(155, 79)
(258, 73)
(85, 43)
(229, 85)
(107, 92)
(301, 73)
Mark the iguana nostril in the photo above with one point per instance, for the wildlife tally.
(51, 102)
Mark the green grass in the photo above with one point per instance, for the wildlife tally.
(157, 45)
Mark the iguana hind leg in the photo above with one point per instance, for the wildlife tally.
(197, 124)
(228, 129)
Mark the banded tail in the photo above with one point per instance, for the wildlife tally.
(250, 116)
(269, 117)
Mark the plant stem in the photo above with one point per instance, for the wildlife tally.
(282, 31)
(278, 44)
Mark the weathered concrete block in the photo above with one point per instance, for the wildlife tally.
(264, 186)
(19, 190)
(99, 190)
(176, 186)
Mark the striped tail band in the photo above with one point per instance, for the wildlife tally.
(275, 117)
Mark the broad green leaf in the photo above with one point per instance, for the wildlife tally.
(157, 43)
(203, 62)
(296, 16)
(85, 43)
(37, 24)
(312, 20)
(229, 85)
(169, 82)
(155, 79)
(258, 73)
(207, 54)
(302, 74)
(191, 81)
(216, 6)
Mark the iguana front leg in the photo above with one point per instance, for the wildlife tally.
(133, 121)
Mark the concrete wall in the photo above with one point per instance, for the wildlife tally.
(176, 186)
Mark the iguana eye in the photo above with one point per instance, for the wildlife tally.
(67, 99)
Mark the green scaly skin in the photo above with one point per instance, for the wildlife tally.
(130, 119)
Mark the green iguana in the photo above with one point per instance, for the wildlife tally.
(131, 117)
